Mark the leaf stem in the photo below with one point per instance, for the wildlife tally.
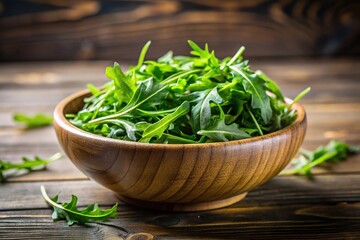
(99, 120)
(143, 54)
(318, 161)
(249, 81)
(253, 118)
(236, 56)
(179, 75)
(311, 164)
(47, 198)
(299, 96)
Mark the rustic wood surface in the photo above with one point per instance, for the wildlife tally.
(93, 29)
(286, 207)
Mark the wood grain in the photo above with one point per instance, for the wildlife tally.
(59, 30)
(282, 206)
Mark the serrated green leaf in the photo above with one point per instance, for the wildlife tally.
(256, 87)
(72, 214)
(158, 128)
(222, 132)
(124, 86)
(201, 112)
(271, 85)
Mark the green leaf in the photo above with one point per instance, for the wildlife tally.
(335, 151)
(124, 86)
(72, 214)
(144, 92)
(178, 140)
(201, 112)
(38, 120)
(237, 55)
(158, 128)
(127, 125)
(167, 58)
(94, 90)
(256, 87)
(271, 85)
(299, 96)
(143, 54)
(197, 51)
(9, 169)
(221, 132)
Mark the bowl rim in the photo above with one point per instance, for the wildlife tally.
(62, 122)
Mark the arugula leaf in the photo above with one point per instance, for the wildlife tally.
(38, 120)
(9, 169)
(221, 132)
(124, 86)
(271, 85)
(157, 129)
(72, 214)
(145, 91)
(237, 56)
(256, 87)
(299, 96)
(128, 126)
(94, 90)
(201, 112)
(143, 54)
(140, 104)
(335, 151)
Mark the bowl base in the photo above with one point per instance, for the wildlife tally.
(183, 207)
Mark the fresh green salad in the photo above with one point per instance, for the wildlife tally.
(185, 99)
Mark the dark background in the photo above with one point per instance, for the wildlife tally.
(32, 30)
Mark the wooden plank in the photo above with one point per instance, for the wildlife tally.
(50, 73)
(281, 190)
(279, 222)
(113, 30)
(283, 207)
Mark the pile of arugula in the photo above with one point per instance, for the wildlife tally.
(185, 99)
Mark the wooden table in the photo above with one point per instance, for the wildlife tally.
(286, 207)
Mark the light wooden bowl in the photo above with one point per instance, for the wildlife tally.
(177, 177)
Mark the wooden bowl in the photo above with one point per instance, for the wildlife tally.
(177, 177)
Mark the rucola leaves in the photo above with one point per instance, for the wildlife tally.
(335, 151)
(221, 132)
(259, 98)
(124, 86)
(9, 169)
(177, 99)
(38, 120)
(72, 214)
(201, 112)
(158, 128)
